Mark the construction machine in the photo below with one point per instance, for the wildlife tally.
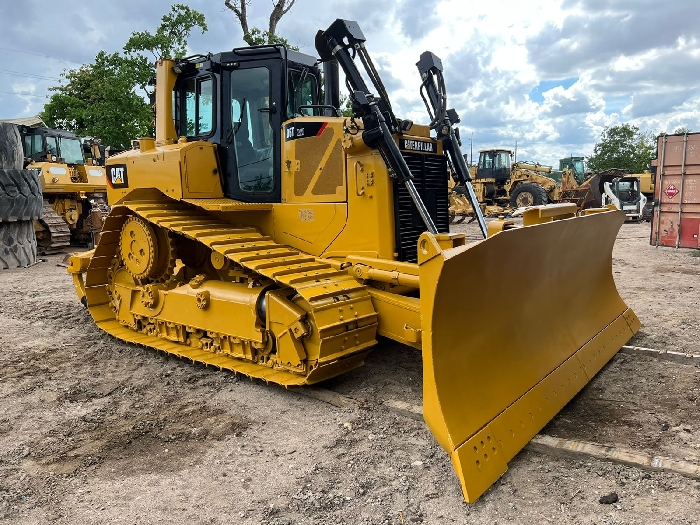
(498, 182)
(263, 233)
(75, 190)
(625, 194)
(571, 166)
(460, 208)
(647, 183)
(615, 187)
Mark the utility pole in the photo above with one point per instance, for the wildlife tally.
(471, 150)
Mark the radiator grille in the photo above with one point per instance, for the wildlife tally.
(430, 177)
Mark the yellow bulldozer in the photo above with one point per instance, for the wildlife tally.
(74, 189)
(263, 233)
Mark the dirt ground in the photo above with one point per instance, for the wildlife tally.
(97, 431)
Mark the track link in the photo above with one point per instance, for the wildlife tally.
(56, 235)
(318, 282)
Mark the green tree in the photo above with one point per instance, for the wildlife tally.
(257, 37)
(169, 40)
(624, 147)
(346, 106)
(101, 99)
(682, 130)
(98, 100)
(254, 36)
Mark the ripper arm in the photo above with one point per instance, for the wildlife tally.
(377, 115)
(443, 121)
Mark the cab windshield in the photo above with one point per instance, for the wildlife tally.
(494, 160)
(501, 159)
(70, 150)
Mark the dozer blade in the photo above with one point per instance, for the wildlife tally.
(513, 327)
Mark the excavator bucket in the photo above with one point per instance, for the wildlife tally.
(496, 371)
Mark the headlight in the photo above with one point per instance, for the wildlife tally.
(53, 158)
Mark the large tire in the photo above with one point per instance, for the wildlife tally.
(11, 152)
(17, 244)
(528, 194)
(20, 195)
(647, 212)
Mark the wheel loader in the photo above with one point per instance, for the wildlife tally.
(498, 182)
(75, 190)
(261, 232)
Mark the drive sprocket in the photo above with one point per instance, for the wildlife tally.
(148, 252)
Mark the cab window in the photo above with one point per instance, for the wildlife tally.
(32, 145)
(198, 107)
(303, 89)
(51, 146)
(71, 151)
(502, 160)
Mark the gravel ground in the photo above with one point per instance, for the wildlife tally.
(97, 431)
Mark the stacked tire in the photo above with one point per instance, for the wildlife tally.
(20, 202)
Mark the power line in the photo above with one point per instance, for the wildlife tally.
(16, 73)
(23, 94)
(38, 55)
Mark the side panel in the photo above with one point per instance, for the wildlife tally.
(201, 173)
(325, 169)
(370, 225)
(309, 227)
(179, 171)
(313, 167)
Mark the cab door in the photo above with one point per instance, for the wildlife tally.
(251, 121)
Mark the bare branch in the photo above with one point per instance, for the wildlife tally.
(288, 7)
(240, 9)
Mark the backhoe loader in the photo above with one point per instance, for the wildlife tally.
(261, 234)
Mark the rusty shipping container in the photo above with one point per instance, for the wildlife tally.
(676, 220)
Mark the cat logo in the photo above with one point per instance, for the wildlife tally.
(116, 176)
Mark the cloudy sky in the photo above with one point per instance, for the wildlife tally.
(549, 74)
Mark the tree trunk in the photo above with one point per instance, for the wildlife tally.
(281, 8)
(240, 9)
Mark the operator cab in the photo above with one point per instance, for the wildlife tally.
(626, 189)
(494, 164)
(576, 165)
(51, 144)
(239, 100)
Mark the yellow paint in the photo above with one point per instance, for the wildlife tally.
(64, 178)
(165, 167)
(312, 167)
(309, 227)
(463, 348)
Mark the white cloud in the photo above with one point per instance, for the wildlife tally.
(505, 62)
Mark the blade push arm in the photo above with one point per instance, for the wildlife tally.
(443, 120)
(378, 118)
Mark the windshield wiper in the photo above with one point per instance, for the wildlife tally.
(240, 120)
